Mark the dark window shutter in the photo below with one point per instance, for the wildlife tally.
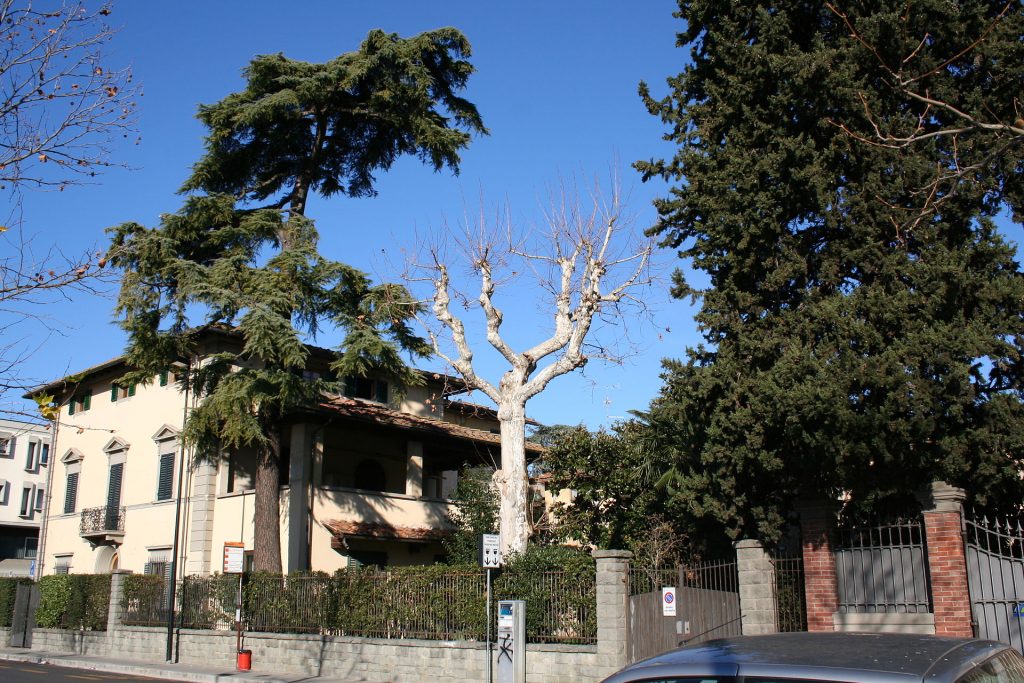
(382, 392)
(71, 405)
(71, 494)
(131, 389)
(113, 392)
(114, 486)
(87, 400)
(166, 478)
(163, 378)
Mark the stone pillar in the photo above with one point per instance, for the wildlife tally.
(820, 587)
(301, 465)
(200, 521)
(116, 610)
(757, 588)
(951, 602)
(414, 469)
(612, 608)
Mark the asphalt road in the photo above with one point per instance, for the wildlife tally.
(18, 672)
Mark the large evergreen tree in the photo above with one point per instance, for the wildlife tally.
(241, 252)
(863, 320)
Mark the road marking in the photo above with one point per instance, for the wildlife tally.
(32, 671)
(85, 678)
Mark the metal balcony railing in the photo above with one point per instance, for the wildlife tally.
(105, 519)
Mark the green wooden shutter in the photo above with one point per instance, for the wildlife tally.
(166, 478)
(71, 406)
(163, 378)
(114, 490)
(71, 494)
(87, 400)
(131, 389)
(113, 392)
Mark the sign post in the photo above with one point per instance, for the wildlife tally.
(490, 558)
(234, 563)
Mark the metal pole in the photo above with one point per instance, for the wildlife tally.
(488, 649)
(177, 523)
(50, 466)
(238, 615)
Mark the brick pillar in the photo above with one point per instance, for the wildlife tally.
(951, 602)
(116, 610)
(612, 609)
(757, 588)
(820, 588)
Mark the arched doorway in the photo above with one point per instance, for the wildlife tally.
(107, 560)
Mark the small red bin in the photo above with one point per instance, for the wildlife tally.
(244, 660)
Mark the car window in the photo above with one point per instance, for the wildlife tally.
(771, 679)
(690, 679)
(1006, 667)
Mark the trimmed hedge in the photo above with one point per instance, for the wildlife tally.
(8, 590)
(74, 601)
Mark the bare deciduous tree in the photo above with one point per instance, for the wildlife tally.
(587, 262)
(62, 108)
(981, 134)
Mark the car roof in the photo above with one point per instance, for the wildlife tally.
(863, 657)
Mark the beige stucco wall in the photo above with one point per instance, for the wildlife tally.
(134, 421)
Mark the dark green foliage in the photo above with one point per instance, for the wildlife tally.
(8, 592)
(255, 274)
(74, 601)
(301, 127)
(143, 600)
(441, 602)
(851, 349)
(476, 513)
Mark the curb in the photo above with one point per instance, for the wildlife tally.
(149, 671)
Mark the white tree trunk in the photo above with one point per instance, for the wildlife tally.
(512, 480)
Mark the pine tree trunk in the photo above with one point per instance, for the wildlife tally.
(267, 515)
(511, 480)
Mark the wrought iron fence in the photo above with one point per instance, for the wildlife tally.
(424, 603)
(100, 519)
(995, 576)
(790, 600)
(882, 568)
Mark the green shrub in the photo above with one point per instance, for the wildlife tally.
(74, 601)
(143, 600)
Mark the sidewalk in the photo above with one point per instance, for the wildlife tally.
(164, 670)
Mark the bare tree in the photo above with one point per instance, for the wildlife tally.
(585, 265)
(62, 108)
(981, 134)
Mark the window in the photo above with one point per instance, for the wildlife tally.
(80, 403)
(62, 564)
(31, 548)
(27, 498)
(6, 446)
(165, 479)
(370, 476)
(30, 459)
(1006, 667)
(4, 488)
(367, 558)
(119, 392)
(167, 377)
(71, 493)
(369, 389)
(44, 454)
(40, 499)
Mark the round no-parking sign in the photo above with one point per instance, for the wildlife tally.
(668, 601)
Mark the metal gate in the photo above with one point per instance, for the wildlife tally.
(995, 576)
(707, 607)
(26, 599)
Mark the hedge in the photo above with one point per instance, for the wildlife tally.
(74, 601)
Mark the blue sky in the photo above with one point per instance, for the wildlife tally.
(556, 84)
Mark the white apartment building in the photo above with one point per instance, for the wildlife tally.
(24, 463)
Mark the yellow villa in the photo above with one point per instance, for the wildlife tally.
(366, 476)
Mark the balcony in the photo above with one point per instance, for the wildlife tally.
(102, 525)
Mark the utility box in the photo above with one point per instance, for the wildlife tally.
(511, 641)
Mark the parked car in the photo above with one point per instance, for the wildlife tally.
(830, 658)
